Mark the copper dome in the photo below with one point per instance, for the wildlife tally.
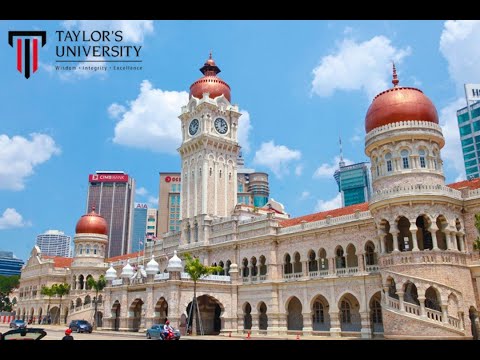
(92, 223)
(210, 82)
(399, 104)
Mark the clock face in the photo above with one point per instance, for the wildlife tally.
(193, 128)
(221, 126)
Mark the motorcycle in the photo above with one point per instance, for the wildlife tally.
(169, 335)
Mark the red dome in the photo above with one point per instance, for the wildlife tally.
(399, 104)
(92, 223)
(210, 82)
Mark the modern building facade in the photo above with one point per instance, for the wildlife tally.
(139, 227)
(400, 266)
(169, 190)
(54, 243)
(9, 264)
(151, 225)
(353, 183)
(111, 193)
(469, 127)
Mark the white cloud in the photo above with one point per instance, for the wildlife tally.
(116, 111)
(459, 45)
(12, 219)
(153, 202)
(331, 204)
(151, 120)
(244, 127)
(326, 170)
(304, 195)
(299, 170)
(141, 191)
(358, 66)
(132, 30)
(19, 156)
(452, 152)
(276, 157)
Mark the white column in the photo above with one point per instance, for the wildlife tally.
(187, 184)
(395, 240)
(413, 230)
(225, 188)
(448, 238)
(215, 179)
(461, 241)
(205, 176)
(195, 180)
(400, 300)
(444, 314)
(235, 184)
(433, 232)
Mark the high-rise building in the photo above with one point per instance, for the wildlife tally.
(9, 264)
(151, 229)
(469, 127)
(139, 224)
(353, 183)
(111, 193)
(54, 243)
(252, 186)
(169, 203)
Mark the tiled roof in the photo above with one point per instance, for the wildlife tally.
(323, 215)
(125, 257)
(468, 184)
(59, 261)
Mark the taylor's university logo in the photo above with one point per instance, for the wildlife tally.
(30, 58)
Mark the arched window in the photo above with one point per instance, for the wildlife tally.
(210, 172)
(80, 249)
(370, 254)
(318, 313)
(346, 315)
(388, 160)
(188, 233)
(423, 163)
(288, 268)
(220, 174)
(227, 268)
(312, 262)
(87, 249)
(222, 272)
(341, 264)
(195, 231)
(435, 164)
(95, 249)
(245, 267)
(200, 171)
(405, 162)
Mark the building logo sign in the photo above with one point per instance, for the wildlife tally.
(472, 91)
(27, 60)
(172, 179)
(108, 178)
(141, 206)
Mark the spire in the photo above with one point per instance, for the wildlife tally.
(210, 68)
(395, 80)
(210, 57)
(341, 163)
(93, 208)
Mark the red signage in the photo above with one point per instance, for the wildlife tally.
(172, 179)
(108, 178)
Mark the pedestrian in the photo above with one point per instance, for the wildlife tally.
(68, 335)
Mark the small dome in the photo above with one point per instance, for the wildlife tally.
(92, 223)
(210, 82)
(152, 267)
(111, 273)
(127, 270)
(175, 263)
(399, 104)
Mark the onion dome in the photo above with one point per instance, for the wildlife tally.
(92, 223)
(127, 270)
(210, 82)
(111, 273)
(399, 104)
(175, 264)
(152, 267)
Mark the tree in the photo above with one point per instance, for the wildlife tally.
(197, 271)
(97, 285)
(61, 290)
(48, 291)
(7, 284)
(476, 243)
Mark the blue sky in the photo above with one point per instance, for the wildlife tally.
(300, 84)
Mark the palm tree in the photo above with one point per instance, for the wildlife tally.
(48, 291)
(61, 290)
(197, 270)
(476, 243)
(98, 286)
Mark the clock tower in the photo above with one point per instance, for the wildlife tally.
(209, 153)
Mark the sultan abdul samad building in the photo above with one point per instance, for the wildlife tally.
(401, 266)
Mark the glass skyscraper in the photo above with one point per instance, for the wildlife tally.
(9, 265)
(353, 183)
(469, 128)
(139, 225)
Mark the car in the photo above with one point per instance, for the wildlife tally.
(24, 334)
(18, 324)
(80, 326)
(156, 332)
